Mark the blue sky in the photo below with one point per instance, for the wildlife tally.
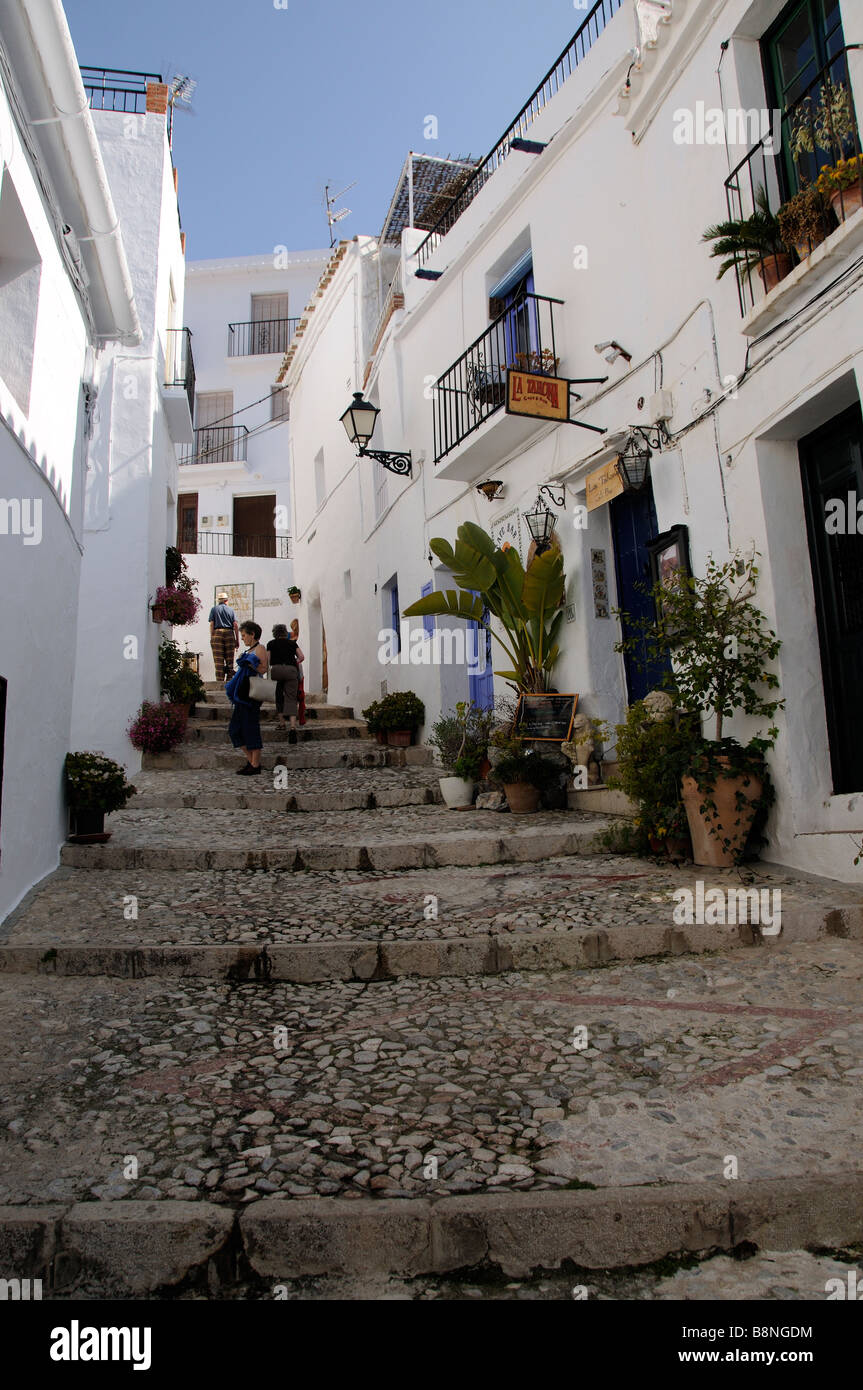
(323, 91)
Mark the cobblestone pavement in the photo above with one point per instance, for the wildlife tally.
(157, 789)
(569, 893)
(417, 1087)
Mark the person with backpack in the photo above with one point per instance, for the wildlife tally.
(284, 656)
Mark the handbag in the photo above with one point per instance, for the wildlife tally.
(261, 689)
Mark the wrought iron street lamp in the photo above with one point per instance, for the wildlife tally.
(633, 464)
(359, 421)
(541, 524)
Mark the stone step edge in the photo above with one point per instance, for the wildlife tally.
(138, 1248)
(382, 800)
(448, 848)
(368, 959)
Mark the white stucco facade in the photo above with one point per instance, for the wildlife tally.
(612, 211)
(236, 362)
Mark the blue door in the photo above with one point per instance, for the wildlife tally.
(480, 681)
(633, 524)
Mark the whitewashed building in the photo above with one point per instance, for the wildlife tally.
(233, 513)
(580, 235)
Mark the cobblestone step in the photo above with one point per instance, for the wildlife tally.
(335, 731)
(220, 709)
(357, 752)
(409, 837)
(523, 1083)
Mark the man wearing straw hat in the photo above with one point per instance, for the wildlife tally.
(224, 638)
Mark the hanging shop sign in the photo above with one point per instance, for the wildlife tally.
(603, 485)
(540, 397)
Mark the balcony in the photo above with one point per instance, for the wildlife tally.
(178, 390)
(114, 89)
(218, 444)
(269, 547)
(473, 389)
(575, 52)
(820, 145)
(268, 336)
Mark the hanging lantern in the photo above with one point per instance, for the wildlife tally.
(541, 523)
(633, 464)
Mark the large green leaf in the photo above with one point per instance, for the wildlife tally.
(443, 550)
(449, 602)
(542, 591)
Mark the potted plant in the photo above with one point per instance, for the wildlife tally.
(186, 690)
(157, 728)
(176, 606)
(721, 648)
(486, 383)
(804, 221)
(654, 747)
(294, 594)
(527, 602)
(95, 786)
(461, 740)
(752, 242)
(842, 183)
(522, 773)
(374, 721)
(401, 714)
(536, 363)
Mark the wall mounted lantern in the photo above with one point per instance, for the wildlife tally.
(359, 421)
(541, 523)
(633, 464)
(491, 489)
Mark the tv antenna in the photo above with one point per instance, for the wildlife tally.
(181, 88)
(332, 216)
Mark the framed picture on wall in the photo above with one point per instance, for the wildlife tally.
(669, 557)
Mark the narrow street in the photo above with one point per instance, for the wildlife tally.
(450, 1005)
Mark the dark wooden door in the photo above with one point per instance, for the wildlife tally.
(831, 461)
(633, 524)
(255, 526)
(187, 523)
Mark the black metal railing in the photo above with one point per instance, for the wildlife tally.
(266, 547)
(180, 364)
(218, 444)
(256, 339)
(574, 53)
(474, 387)
(811, 176)
(113, 89)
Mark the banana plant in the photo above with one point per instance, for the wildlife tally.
(527, 603)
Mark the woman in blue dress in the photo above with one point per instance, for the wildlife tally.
(244, 730)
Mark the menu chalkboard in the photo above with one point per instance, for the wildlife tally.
(546, 718)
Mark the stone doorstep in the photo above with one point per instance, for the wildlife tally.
(138, 1248)
(467, 847)
(345, 958)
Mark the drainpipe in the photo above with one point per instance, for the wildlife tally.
(56, 54)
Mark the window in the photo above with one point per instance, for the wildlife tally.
(255, 526)
(805, 40)
(320, 480)
(212, 407)
(20, 278)
(216, 431)
(187, 523)
(428, 621)
(269, 323)
(382, 499)
(280, 406)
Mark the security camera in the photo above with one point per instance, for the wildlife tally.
(611, 351)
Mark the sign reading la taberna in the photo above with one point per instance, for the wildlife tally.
(541, 397)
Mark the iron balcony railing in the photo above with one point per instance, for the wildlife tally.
(268, 547)
(474, 387)
(218, 444)
(180, 364)
(256, 339)
(113, 89)
(817, 156)
(574, 53)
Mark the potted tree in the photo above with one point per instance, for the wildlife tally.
(95, 786)
(654, 747)
(526, 602)
(522, 773)
(374, 722)
(842, 183)
(461, 740)
(805, 220)
(401, 714)
(720, 648)
(750, 243)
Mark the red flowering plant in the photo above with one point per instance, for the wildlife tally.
(158, 728)
(176, 606)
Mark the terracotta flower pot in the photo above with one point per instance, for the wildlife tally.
(846, 202)
(775, 268)
(522, 798)
(399, 738)
(727, 821)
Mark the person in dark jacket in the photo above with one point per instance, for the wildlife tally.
(284, 654)
(244, 730)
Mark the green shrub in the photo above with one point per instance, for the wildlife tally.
(95, 783)
(402, 710)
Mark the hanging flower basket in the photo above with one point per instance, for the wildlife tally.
(175, 606)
